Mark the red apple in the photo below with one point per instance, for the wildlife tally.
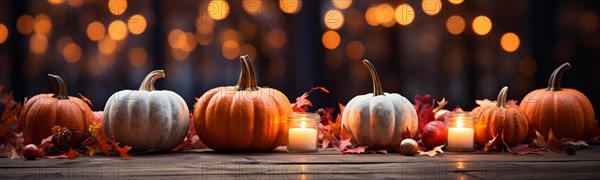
(31, 151)
(434, 134)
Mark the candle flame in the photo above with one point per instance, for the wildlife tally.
(302, 124)
(459, 124)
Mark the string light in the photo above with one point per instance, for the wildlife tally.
(95, 31)
(482, 25)
(331, 39)
(117, 30)
(333, 19)
(455, 24)
(405, 14)
(117, 7)
(510, 42)
(3, 33)
(217, 9)
(137, 24)
(290, 6)
(431, 7)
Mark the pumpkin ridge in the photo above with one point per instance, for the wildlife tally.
(200, 115)
(208, 120)
(279, 124)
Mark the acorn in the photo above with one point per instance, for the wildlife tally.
(409, 147)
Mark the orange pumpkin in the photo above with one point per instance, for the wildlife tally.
(242, 118)
(44, 111)
(506, 121)
(568, 112)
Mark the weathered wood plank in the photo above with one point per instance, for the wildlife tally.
(205, 164)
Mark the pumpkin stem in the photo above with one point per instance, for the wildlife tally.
(60, 88)
(148, 83)
(554, 82)
(247, 79)
(377, 89)
(501, 100)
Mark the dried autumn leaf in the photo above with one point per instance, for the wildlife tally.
(72, 154)
(523, 149)
(320, 88)
(436, 150)
(14, 154)
(91, 151)
(485, 102)
(302, 103)
(86, 100)
(122, 150)
(355, 150)
(490, 143)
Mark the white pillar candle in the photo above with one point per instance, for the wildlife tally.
(302, 139)
(460, 137)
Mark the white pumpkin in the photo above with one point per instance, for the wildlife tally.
(148, 120)
(379, 119)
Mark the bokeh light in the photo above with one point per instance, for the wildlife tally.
(204, 39)
(455, 1)
(217, 9)
(405, 14)
(137, 24)
(342, 4)
(371, 16)
(62, 42)
(276, 38)
(3, 33)
(231, 50)
(431, 7)
(42, 24)
(117, 30)
(248, 49)
(72, 53)
(455, 24)
(510, 42)
(38, 44)
(333, 19)
(527, 66)
(355, 50)
(179, 54)
(25, 24)
(176, 39)
(252, 7)
(107, 45)
(589, 21)
(189, 42)
(95, 31)
(117, 7)
(229, 34)
(248, 30)
(331, 39)
(138, 57)
(290, 6)
(482, 25)
(56, 2)
(385, 14)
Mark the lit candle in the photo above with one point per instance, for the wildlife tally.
(302, 139)
(460, 137)
(460, 132)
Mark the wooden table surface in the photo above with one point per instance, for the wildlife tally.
(206, 164)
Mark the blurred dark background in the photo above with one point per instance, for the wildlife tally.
(445, 48)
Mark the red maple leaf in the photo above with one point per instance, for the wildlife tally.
(302, 103)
